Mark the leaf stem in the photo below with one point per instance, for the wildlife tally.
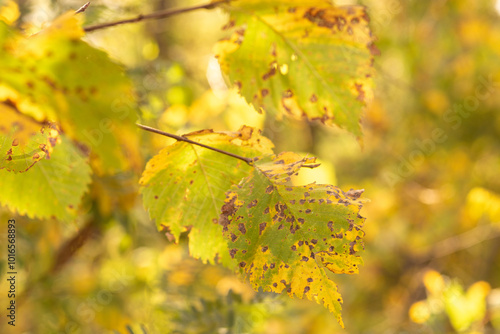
(184, 139)
(154, 16)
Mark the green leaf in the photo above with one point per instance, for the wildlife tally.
(55, 76)
(184, 186)
(24, 142)
(289, 57)
(284, 237)
(52, 188)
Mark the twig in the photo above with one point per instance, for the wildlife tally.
(462, 241)
(154, 16)
(82, 8)
(184, 139)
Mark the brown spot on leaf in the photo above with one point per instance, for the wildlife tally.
(361, 92)
(305, 259)
(269, 189)
(272, 265)
(241, 228)
(306, 289)
(232, 252)
(264, 249)
(275, 285)
(233, 237)
(310, 280)
(269, 74)
(313, 98)
(243, 264)
(229, 25)
(252, 204)
(308, 211)
(264, 92)
(15, 142)
(262, 226)
(330, 225)
(294, 248)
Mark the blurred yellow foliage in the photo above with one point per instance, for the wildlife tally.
(482, 202)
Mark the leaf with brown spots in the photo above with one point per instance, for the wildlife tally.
(54, 76)
(301, 58)
(292, 234)
(24, 142)
(52, 188)
(184, 185)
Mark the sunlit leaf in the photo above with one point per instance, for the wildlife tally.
(24, 142)
(290, 57)
(284, 237)
(184, 185)
(52, 188)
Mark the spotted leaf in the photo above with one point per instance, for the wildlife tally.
(52, 188)
(285, 237)
(184, 185)
(301, 58)
(24, 142)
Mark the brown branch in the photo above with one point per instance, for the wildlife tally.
(154, 16)
(184, 139)
(82, 8)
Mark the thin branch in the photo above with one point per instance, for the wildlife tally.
(462, 241)
(311, 166)
(154, 16)
(82, 8)
(184, 139)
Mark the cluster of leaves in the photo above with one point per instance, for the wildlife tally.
(69, 112)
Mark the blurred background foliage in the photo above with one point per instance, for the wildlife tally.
(429, 162)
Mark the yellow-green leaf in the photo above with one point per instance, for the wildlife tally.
(52, 188)
(284, 237)
(184, 186)
(301, 58)
(24, 142)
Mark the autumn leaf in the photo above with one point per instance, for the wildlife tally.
(24, 142)
(55, 76)
(301, 58)
(183, 186)
(283, 237)
(52, 188)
